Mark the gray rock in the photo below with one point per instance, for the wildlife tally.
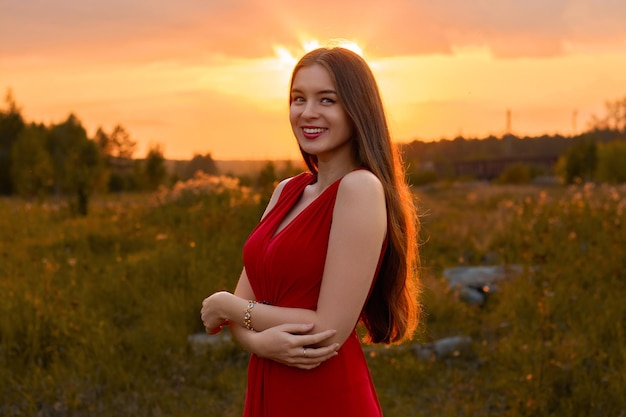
(474, 283)
(440, 349)
(201, 342)
(443, 348)
(479, 276)
(472, 296)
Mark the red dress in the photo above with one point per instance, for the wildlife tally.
(286, 270)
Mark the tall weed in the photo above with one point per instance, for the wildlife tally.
(95, 312)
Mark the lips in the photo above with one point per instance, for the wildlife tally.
(313, 132)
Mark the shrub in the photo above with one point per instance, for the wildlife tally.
(516, 174)
(612, 162)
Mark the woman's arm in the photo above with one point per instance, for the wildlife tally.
(356, 238)
(284, 343)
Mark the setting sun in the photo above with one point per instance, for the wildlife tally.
(157, 157)
(287, 58)
(182, 77)
(337, 42)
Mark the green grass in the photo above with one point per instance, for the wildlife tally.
(95, 312)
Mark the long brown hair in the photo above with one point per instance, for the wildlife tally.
(392, 311)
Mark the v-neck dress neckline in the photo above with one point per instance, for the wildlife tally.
(286, 270)
(278, 230)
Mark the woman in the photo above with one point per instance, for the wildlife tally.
(335, 245)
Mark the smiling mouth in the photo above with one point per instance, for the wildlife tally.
(313, 130)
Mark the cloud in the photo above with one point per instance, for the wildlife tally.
(188, 29)
(532, 27)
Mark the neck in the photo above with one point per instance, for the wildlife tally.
(329, 172)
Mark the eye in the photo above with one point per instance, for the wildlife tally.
(327, 100)
(297, 99)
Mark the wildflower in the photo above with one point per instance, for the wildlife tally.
(203, 184)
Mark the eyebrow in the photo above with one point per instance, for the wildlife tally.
(296, 90)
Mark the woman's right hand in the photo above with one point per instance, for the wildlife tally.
(292, 345)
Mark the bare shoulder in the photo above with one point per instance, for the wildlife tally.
(361, 184)
(361, 201)
(275, 195)
(281, 185)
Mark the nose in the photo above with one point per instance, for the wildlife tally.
(310, 110)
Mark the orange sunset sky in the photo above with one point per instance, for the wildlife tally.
(198, 76)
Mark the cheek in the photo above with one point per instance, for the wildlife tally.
(347, 123)
(293, 115)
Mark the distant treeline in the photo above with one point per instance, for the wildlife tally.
(491, 157)
(60, 160)
(602, 129)
(590, 155)
(508, 146)
(37, 160)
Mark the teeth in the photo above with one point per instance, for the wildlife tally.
(313, 130)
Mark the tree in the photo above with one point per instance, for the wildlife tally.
(31, 167)
(580, 161)
(614, 118)
(612, 162)
(11, 124)
(77, 162)
(517, 173)
(290, 170)
(116, 145)
(105, 144)
(154, 169)
(117, 149)
(267, 177)
(204, 163)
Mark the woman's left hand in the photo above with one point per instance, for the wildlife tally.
(293, 345)
(211, 317)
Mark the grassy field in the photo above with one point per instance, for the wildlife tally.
(95, 312)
